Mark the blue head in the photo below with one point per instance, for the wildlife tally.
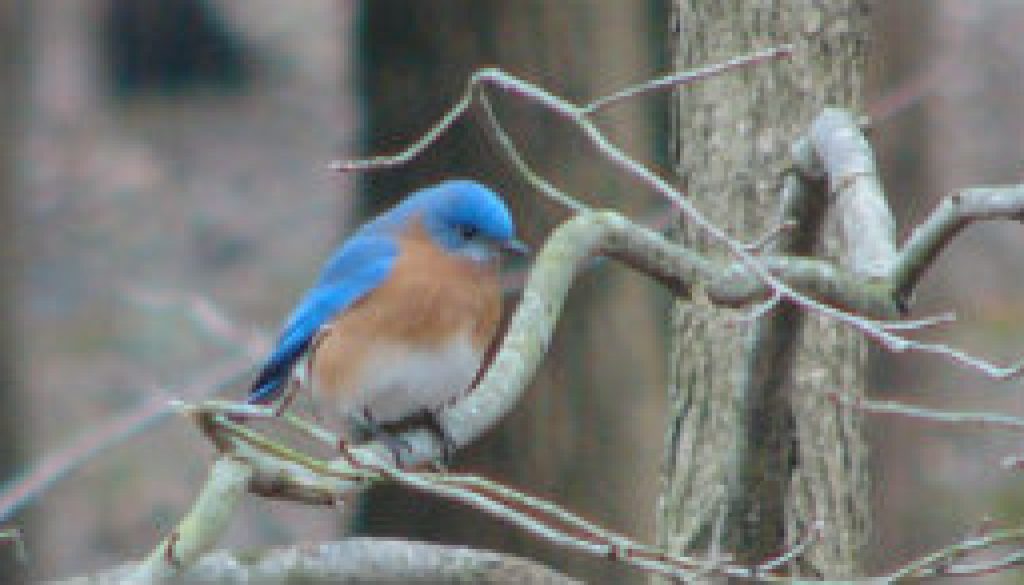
(462, 216)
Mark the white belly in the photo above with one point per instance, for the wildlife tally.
(398, 381)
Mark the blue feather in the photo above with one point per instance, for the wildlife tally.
(366, 260)
(356, 269)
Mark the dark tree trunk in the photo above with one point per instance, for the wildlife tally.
(584, 434)
(13, 17)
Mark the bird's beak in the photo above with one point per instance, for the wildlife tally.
(516, 247)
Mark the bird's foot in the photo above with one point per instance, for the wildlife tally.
(395, 446)
(432, 421)
(371, 429)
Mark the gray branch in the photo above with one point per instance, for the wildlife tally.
(353, 560)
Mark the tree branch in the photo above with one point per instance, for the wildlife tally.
(202, 527)
(954, 214)
(353, 560)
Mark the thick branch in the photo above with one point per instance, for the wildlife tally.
(202, 527)
(837, 148)
(866, 222)
(954, 214)
(604, 232)
(354, 560)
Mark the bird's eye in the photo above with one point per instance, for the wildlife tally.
(468, 232)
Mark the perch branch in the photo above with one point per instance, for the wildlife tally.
(292, 473)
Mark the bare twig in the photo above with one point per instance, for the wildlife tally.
(891, 408)
(794, 552)
(66, 460)
(938, 562)
(922, 323)
(676, 79)
(538, 182)
(208, 317)
(251, 458)
(769, 238)
(977, 569)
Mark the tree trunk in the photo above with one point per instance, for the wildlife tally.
(605, 354)
(12, 24)
(756, 453)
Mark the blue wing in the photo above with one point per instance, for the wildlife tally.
(357, 268)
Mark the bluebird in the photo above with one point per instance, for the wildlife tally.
(402, 314)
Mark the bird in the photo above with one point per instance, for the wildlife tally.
(398, 323)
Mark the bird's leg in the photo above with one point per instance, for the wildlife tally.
(369, 427)
(291, 391)
(356, 426)
(304, 373)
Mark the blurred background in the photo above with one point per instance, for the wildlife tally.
(165, 199)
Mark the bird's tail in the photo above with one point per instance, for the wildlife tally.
(266, 388)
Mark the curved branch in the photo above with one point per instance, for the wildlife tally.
(951, 216)
(569, 250)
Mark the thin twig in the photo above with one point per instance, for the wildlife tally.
(892, 408)
(929, 563)
(686, 77)
(770, 237)
(64, 461)
(519, 162)
(812, 536)
(922, 323)
(977, 569)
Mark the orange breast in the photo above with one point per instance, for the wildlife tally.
(429, 298)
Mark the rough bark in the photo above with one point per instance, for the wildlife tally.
(755, 452)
